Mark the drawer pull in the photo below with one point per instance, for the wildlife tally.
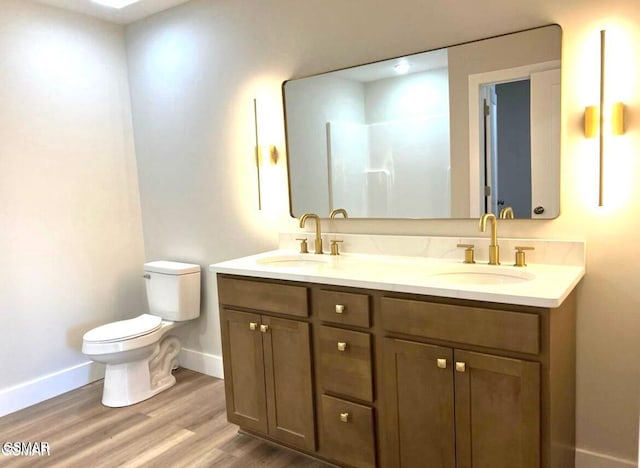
(264, 328)
(253, 326)
(461, 367)
(342, 345)
(442, 363)
(344, 417)
(339, 309)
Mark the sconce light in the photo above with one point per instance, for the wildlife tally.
(617, 119)
(594, 117)
(272, 153)
(261, 152)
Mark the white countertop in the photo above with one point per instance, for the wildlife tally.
(539, 285)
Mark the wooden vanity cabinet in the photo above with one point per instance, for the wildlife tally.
(344, 370)
(267, 363)
(460, 409)
(497, 404)
(474, 385)
(366, 378)
(419, 402)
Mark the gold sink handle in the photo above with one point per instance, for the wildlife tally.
(304, 247)
(469, 256)
(521, 260)
(334, 247)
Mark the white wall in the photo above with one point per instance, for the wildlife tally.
(70, 225)
(194, 137)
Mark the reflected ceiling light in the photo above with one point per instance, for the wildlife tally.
(402, 67)
(115, 3)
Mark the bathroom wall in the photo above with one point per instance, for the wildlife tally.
(195, 69)
(194, 137)
(70, 231)
(70, 227)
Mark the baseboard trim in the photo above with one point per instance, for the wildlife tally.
(204, 363)
(588, 459)
(48, 386)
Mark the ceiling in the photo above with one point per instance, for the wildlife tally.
(126, 15)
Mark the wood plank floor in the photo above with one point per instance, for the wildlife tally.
(184, 426)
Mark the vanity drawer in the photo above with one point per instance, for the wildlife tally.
(268, 297)
(348, 432)
(344, 308)
(344, 362)
(513, 331)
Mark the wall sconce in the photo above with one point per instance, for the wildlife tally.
(261, 152)
(594, 117)
(272, 155)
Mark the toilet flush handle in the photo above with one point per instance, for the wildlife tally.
(146, 276)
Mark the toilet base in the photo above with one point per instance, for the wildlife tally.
(132, 382)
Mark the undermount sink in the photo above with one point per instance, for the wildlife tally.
(483, 274)
(291, 261)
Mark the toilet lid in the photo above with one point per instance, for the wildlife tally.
(124, 329)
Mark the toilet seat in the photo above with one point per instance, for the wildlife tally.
(124, 329)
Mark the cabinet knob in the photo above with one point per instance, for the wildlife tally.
(344, 417)
(339, 309)
(264, 328)
(461, 367)
(442, 363)
(253, 326)
(342, 345)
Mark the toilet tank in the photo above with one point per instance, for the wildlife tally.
(173, 290)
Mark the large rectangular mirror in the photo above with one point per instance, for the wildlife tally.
(450, 133)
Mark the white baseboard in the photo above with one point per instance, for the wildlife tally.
(588, 459)
(48, 386)
(204, 363)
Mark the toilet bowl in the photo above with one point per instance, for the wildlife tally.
(140, 353)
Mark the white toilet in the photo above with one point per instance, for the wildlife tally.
(140, 353)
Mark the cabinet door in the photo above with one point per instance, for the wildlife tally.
(288, 382)
(244, 370)
(418, 392)
(497, 411)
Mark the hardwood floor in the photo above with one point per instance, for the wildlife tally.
(185, 426)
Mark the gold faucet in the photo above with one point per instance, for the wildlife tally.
(494, 250)
(338, 211)
(316, 218)
(506, 213)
